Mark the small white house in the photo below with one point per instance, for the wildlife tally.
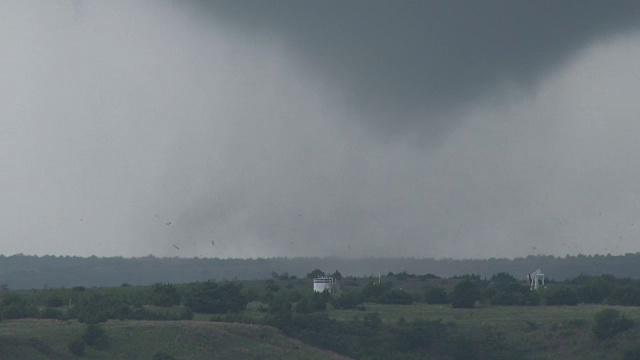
(321, 284)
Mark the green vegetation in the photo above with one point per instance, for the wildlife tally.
(400, 316)
(609, 322)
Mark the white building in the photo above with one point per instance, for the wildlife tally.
(321, 284)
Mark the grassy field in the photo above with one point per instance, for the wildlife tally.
(31, 339)
(539, 332)
(503, 316)
(536, 332)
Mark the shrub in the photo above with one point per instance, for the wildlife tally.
(465, 294)
(347, 300)
(436, 296)
(502, 280)
(54, 301)
(76, 347)
(515, 294)
(625, 295)
(561, 296)
(15, 306)
(395, 297)
(211, 298)
(316, 302)
(165, 295)
(609, 322)
(94, 335)
(52, 313)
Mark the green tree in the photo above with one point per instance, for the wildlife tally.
(465, 294)
(502, 280)
(211, 298)
(315, 274)
(436, 296)
(561, 296)
(15, 306)
(94, 335)
(165, 295)
(347, 300)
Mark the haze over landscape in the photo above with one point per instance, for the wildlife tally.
(350, 129)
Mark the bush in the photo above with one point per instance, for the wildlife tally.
(561, 296)
(165, 295)
(347, 300)
(54, 301)
(94, 335)
(609, 322)
(76, 347)
(15, 306)
(465, 294)
(52, 313)
(515, 294)
(316, 302)
(436, 296)
(502, 280)
(395, 297)
(626, 296)
(211, 298)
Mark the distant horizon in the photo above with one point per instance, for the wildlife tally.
(327, 257)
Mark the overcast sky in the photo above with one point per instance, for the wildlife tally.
(319, 128)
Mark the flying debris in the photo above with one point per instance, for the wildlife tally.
(174, 245)
(212, 243)
(169, 223)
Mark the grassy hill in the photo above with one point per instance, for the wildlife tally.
(532, 332)
(47, 339)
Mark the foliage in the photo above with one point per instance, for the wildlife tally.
(561, 296)
(436, 296)
(316, 302)
(609, 322)
(54, 301)
(502, 280)
(213, 298)
(280, 309)
(465, 294)
(625, 295)
(632, 353)
(77, 346)
(475, 278)
(347, 300)
(371, 338)
(315, 274)
(165, 295)
(161, 355)
(15, 306)
(97, 308)
(515, 294)
(336, 275)
(94, 335)
(395, 297)
(52, 313)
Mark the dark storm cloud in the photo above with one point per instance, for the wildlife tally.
(413, 62)
(130, 128)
